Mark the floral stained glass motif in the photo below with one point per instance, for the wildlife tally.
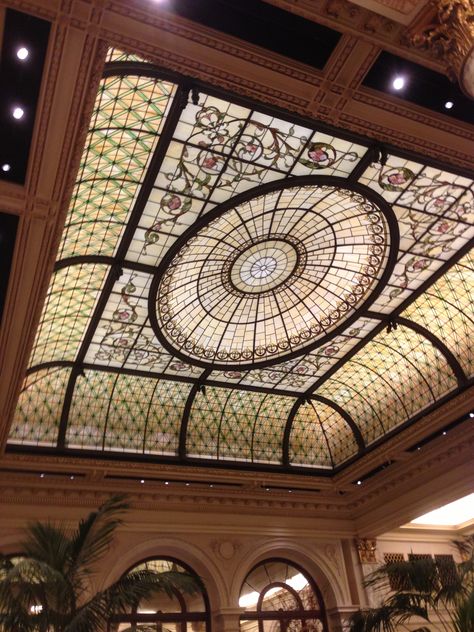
(38, 412)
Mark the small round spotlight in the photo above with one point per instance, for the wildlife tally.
(6, 167)
(22, 53)
(142, 481)
(448, 105)
(359, 482)
(471, 415)
(18, 113)
(398, 83)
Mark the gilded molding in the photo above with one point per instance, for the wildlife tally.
(366, 549)
(450, 37)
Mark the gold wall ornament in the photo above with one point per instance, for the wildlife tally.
(366, 548)
(450, 37)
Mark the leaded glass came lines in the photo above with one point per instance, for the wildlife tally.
(445, 309)
(258, 271)
(38, 412)
(388, 381)
(320, 437)
(69, 305)
(128, 117)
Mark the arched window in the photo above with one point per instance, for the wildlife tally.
(180, 613)
(280, 597)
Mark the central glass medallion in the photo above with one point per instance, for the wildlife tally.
(275, 275)
(263, 266)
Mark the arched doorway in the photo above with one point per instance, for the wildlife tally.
(179, 612)
(278, 596)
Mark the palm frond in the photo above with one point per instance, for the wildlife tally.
(94, 535)
(47, 543)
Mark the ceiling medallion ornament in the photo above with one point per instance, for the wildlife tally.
(271, 275)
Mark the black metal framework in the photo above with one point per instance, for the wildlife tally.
(158, 620)
(291, 619)
(118, 263)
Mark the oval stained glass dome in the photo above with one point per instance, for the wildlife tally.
(271, 276)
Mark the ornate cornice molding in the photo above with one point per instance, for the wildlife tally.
(450, 37)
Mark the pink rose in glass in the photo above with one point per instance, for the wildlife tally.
(439, 202)
(443, 227)
(122, 314)
(174, 202)
(396, 178)
(251, 148)
(318, 155)
(210, 163)
(421, 264)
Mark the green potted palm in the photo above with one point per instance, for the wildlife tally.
(423, 594)
(46, 586)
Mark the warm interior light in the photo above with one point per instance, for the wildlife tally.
(453, 514)
(18, 113)
(398, 83)
(36, 609)
(297, 582)
(6, 167)
(448, 105)
(22, 53)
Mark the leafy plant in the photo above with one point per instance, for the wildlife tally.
(46, 587)
(422, 589)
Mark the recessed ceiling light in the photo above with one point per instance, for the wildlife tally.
(142, 481)
(359, 482)
(6, 167)
(444, 433)
(398, 83)
(22, 53)
(42, 475)
(18, 113)
(448, 105)
(471, 415)
(166, 483)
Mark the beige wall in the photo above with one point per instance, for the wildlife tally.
(223, 548)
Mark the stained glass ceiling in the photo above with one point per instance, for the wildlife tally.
(237, 286)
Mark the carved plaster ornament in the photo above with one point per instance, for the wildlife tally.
(366, 548)
(450, 37)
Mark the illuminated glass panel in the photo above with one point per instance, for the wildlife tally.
(270, 428)
(445, 309)
(320, 437)
(128, 117)
(219, 149)
(69, 305)
(165, 413)
(88, 414)
(39, 407)
(391, 379)
(237, 426)
(204, 422)
(272, 275)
